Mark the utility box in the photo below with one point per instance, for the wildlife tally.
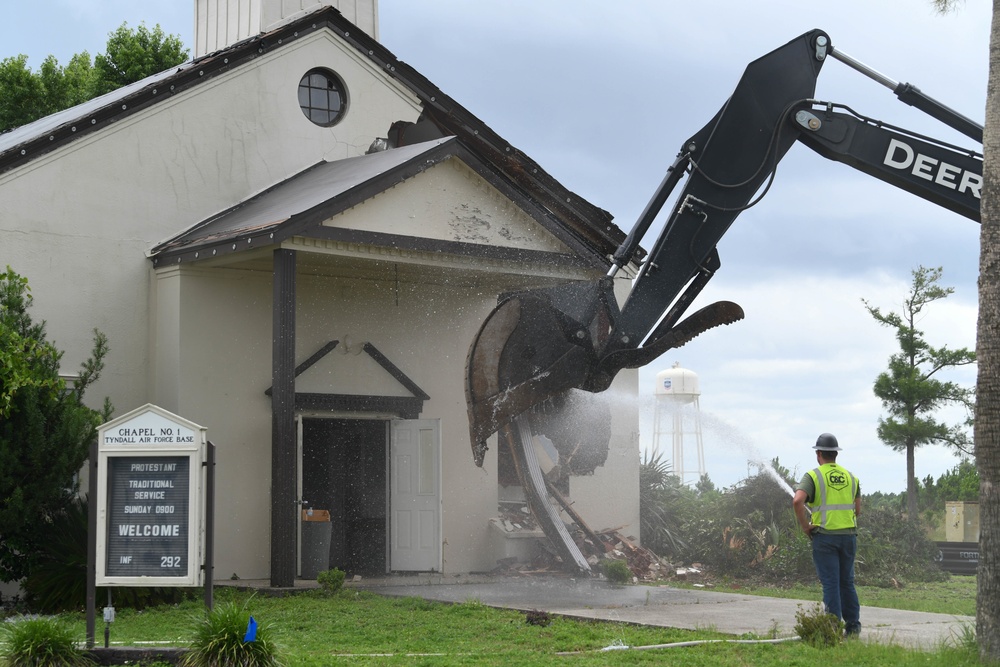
(961, 521)
(316, 533)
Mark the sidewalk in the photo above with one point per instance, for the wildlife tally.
(664, 606)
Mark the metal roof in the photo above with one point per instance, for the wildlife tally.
(321, 184)
(80, 117)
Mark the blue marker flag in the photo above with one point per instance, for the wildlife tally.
(251, 634)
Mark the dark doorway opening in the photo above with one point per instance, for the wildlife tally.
(344, 470)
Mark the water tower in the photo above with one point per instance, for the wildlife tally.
(676, 418)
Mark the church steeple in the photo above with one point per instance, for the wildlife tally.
(221, 23)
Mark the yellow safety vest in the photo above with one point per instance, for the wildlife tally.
(833, 502)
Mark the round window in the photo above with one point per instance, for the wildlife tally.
(322, 97)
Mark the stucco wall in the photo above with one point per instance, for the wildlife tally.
(77, 222)
(225, 334)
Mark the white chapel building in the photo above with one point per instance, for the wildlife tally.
(292, 240)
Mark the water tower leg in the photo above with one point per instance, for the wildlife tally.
(698, 441)
(678, 444)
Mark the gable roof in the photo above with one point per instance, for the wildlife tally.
(590, 225)
(299, 205)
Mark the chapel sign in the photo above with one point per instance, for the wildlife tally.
(150, 528)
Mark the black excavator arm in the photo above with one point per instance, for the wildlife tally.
(537, 344)
(735, 156)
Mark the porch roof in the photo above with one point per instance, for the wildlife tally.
(298, 206)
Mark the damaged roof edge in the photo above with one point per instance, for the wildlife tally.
(592, 223)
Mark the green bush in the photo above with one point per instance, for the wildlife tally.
(792, 561)
(39, 642)
(734, 532)
(749, 532)
(330, 581)
(617, 571)
(818, 628)
(893, 551)
(58, 577)
(219, 641)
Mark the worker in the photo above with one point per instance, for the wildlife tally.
(827, 503)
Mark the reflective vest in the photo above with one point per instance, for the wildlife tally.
(833, 502)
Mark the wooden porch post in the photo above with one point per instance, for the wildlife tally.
(284, 511)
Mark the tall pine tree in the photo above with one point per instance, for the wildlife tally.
(910, 389)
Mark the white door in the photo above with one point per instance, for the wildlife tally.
(415, 496)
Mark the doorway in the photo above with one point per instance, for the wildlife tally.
(344, 471)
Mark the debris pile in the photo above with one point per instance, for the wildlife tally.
(612, 545)
(597, 546)
(516, 516)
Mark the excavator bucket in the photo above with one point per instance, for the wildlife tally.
(537, 345)
(532, 347)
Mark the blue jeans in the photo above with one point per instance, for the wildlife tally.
(833, 556)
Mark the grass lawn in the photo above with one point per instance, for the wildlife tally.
(956, 596)
(359, 628)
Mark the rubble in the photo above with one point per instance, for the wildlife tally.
(597, 546)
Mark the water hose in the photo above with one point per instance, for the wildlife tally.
(622, 647)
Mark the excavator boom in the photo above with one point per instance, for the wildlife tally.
(536, 345)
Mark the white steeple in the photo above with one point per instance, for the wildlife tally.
(221, 23)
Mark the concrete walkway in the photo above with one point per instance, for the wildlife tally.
(665, 606)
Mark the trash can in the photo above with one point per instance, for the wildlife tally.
(316, 531)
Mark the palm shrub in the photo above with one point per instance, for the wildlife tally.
(220, 641)
(661, 504)
(40, 642)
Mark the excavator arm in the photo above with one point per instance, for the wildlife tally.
(536, 346)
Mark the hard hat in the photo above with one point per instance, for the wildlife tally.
(826, 442)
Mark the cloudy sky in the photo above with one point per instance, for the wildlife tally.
(602, 95)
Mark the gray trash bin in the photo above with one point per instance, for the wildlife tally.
(316, 531)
